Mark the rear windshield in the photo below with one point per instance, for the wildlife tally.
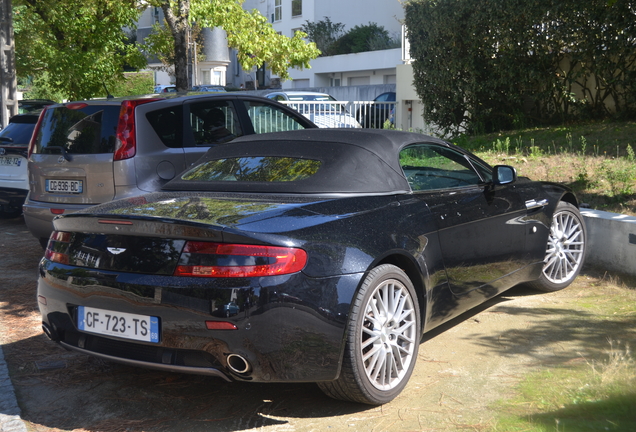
(17, 133)
(87, 130)
(254, 169)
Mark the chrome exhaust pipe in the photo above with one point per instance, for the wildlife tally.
(50, 332)
(237, 364)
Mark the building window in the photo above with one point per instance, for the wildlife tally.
(297, 8)
(278, 10)
(293, 31)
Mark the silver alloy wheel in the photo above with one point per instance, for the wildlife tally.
(565, 250)
(389, 335)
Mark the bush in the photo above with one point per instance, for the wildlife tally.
(495, 65)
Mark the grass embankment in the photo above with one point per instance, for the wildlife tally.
(596, 160)
(597, 390)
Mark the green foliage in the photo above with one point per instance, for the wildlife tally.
(492, 65)
(135, 83)
(76, 46)
(332, 40)
(160, 43)
(248, 31)
(324, 34)
(363, 38)
(41, 88)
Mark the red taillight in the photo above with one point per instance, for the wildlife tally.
(220, 325)
(57, 249)
(207, 259)
(126, 146)
(34, 136)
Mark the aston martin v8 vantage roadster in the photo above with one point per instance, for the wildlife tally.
(316, 255)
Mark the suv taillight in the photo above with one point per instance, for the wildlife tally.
(126, 146)
(34, 136)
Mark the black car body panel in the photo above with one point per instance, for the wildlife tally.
(459, 246)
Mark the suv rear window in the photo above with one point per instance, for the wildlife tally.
(19, 131)
(86, 130)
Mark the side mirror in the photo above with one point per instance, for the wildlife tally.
(503, 174)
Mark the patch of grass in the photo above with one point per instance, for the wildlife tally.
(596, 160)
(596, 392)
(593, 396)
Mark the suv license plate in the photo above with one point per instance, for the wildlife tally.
(120, 324)
(64, 186)
(10, 160)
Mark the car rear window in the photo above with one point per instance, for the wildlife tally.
(88, 129)
(254, 169)
(18, 133)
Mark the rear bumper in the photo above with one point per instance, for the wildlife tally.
(39, 217)
(279, 337)
(12, 196)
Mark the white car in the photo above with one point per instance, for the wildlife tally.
(322, 109)
(14, 182)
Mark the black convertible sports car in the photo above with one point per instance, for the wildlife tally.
(306, 256)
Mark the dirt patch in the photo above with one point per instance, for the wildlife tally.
(462, 368)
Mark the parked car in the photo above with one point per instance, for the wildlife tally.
(375, 115)
(91, 152)
(14, 182)
(30, 105)
(209, 88)
(165, 89)
(312, 106)
(392, 233)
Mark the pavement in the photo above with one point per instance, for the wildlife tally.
(10, 420)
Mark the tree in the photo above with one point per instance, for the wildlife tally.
(495, 64)
(324, 34)
(248, 31)
(77, 46)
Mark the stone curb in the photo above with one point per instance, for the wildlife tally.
(10, 420)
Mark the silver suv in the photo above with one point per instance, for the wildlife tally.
(87, 153)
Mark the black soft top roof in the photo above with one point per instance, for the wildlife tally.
(362, 161)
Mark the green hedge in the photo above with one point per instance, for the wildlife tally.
(488, 65)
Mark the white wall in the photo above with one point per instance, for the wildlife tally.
(378, 66)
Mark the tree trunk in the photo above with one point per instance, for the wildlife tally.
(180, 28)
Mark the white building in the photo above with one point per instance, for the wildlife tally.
(359, 76)
(372, 67)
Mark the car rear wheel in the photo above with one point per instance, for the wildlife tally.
(565, 251)
(383, 336)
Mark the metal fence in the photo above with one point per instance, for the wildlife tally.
(342, 114)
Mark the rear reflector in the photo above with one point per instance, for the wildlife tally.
(208, 259)
(57, 211)
(220, 325)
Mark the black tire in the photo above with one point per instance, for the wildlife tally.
(565, 251)
(377, 343)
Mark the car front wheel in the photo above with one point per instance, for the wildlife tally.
(565, 251)
(383, 336)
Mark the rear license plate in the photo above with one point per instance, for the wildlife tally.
(64, 186)
(10, 161)
(120, 324)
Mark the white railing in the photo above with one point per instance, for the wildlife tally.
(341, 114)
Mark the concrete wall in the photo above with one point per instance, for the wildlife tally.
(611, 241)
